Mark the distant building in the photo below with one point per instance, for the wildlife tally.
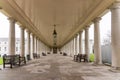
(4, 46)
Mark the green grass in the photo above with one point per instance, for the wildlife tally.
(1, 60)
(92, 57)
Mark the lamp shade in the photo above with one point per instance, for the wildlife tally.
(54, 33)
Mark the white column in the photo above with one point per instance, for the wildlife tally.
(76, 45)
(87, 42)
(115, 34)
(35, 45)
(73, 46)
(28, 43)
(80, 43)
(69, 48)
(38, 46)
(11, 46)
(32, 51)
(22, 46)
(97, 46)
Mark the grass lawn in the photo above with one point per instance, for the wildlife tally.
(92, 57)
(1, 60)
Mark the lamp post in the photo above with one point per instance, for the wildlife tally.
(54, 32)
(55, 36)
(54, 40)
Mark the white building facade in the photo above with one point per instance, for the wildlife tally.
(4, 46)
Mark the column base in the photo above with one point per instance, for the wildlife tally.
(97, 64)
(115, 69)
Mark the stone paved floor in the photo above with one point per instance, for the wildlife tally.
(58, 67)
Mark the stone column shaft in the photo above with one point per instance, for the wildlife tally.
(80, 43)
(22, 46)
(87, 42)
(76, 45)
(32, 51)
(28, 43)
(73, 46)
(34, 44)
(37, 46)
(11, 46)
(115, 37)
(97, 46)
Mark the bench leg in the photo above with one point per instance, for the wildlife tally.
(3, 65)
(24, 61)
(11, 65)
(19, 62)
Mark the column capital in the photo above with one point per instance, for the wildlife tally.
(115, 5)
(11, 19)
(81, 31)
(76, 35)
(97, 19)
(22, 27)
(87, 27)
(27, 30)
(37, 38)
(32, 34)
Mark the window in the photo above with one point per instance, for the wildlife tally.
(16, 48)
(5, 48)
(16, 42)
(5, 42)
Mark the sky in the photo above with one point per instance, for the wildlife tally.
(4, 31)
(105, 27)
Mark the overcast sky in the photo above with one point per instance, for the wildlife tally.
(4, 31)
(105, 27)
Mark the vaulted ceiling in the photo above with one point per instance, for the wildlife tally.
(39, 16)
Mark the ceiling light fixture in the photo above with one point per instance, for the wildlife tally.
(54, 36)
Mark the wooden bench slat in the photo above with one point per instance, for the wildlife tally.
(13, 60)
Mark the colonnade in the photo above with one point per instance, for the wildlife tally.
(34, 45)
(115, 38)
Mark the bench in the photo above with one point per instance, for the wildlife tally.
(43, 54)
(60, 52)
(83, 57)
(48, 52)
(13, 60)
(36, 56)
(22, 60)
(64, 54)
(80, 57)
(75, 58)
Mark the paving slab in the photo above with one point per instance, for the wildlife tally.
(58, 67)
